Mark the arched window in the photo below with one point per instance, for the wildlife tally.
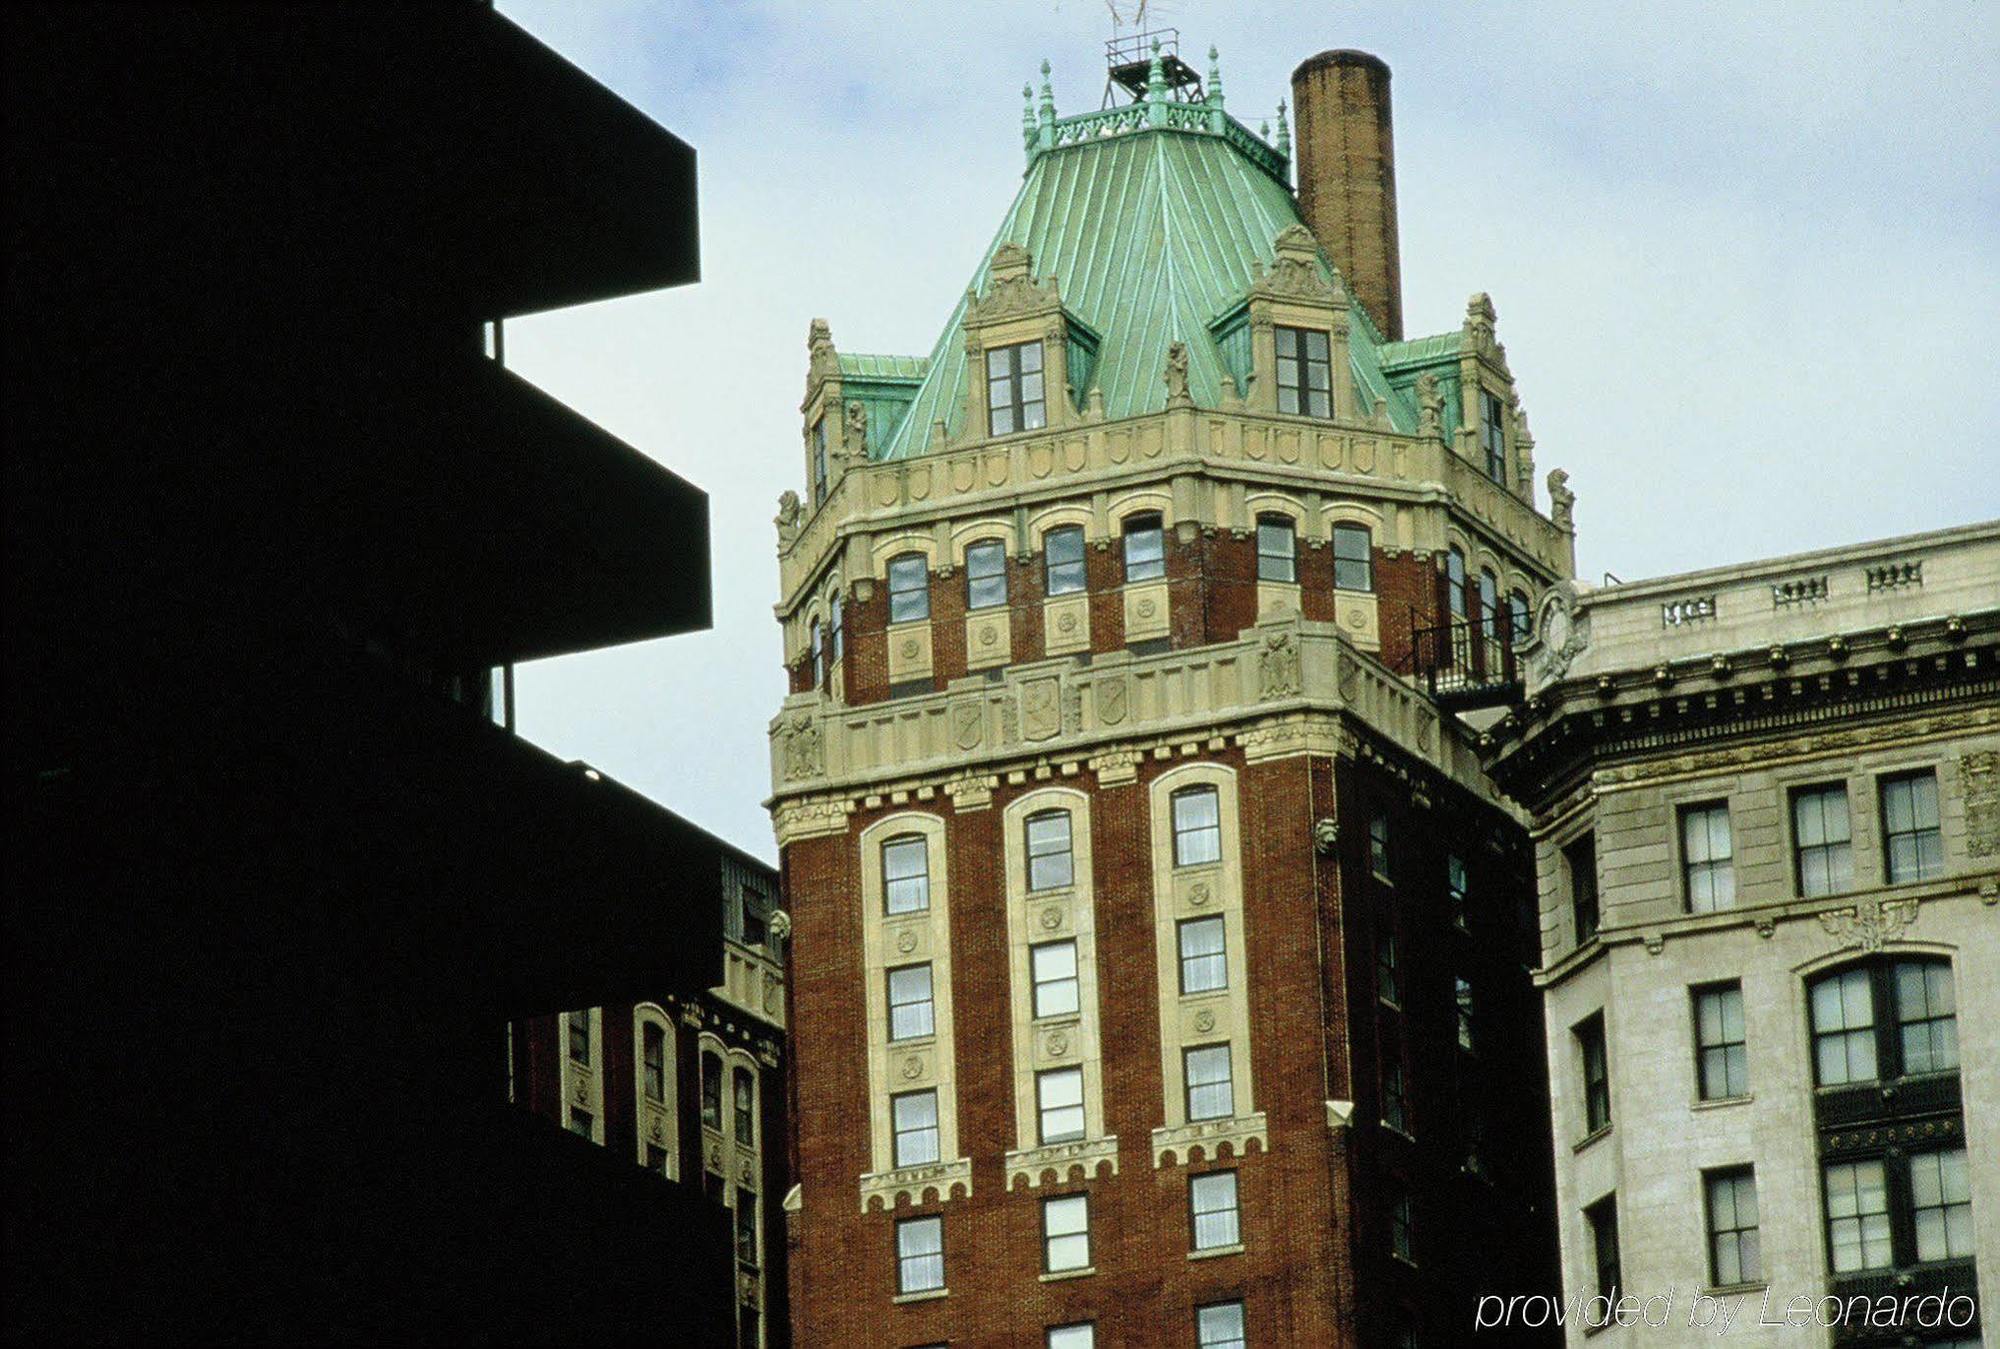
(986, 574)
(1050, 860)
(906, 874)
(1520, 616)
(1489, 602)
(1277, 549)
(818, 655)
(653, 1060)
(1884, 1020)
(1145, 548)
(1062, 556)
(836, 623)
(819, 460)
(1454, 580)
(909, 588)
(743, 1101)
(1353, 558)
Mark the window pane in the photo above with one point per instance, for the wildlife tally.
(909, 588)
(1926, 1008)
(1063, 552)
(1734, 1248)
(1204, 962)
(1210, 1094)
(1197, 825)
(1072, 1337)
(906, 881)
(1353, 561)
(1049, 859)
(1212, 1202)
(1843, 1020)
(1912, 843)
(986, 575)
(1031, 356)
(1145, 549)
(1059, 1103)
(919, 1255)
(1520, 618)
(1066, 1232)
(915, 1122)
(910, 1005)
(1277, 546)
(1220, 1326)
(1723, 1058)
(1054, 965)
(1857, 1216)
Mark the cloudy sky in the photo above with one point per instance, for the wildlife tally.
(1746, 260)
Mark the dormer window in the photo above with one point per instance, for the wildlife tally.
(1493, 435)
(1014, 400)
(819, 460)
(1305, 372)
(1145, 548)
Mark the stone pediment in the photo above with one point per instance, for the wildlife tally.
(1295, 273)
(1012, 289)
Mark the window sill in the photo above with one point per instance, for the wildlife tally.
(1403, 1134)
(928, 1295)
(1213, 1251)
(1057, 1276)
(1590, 1138)
(1721, 1102)
(1736, 1289)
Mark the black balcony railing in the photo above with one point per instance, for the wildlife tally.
(1465, 663)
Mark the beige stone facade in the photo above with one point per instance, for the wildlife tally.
(1725, 760)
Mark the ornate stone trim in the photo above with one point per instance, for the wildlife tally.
(940, 1181)
(1869, 926)
(1208, 1138)
(1060, 1163)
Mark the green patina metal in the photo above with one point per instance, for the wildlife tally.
(1155, 218)
(884, 386)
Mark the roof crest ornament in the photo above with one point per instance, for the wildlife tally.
(1295, 273)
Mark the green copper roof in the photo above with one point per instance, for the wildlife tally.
(1153, 230)
(1421, 350)
(856, 365)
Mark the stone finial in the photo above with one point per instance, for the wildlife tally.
(1562, 501)
(1177, 377)
(1479, 319)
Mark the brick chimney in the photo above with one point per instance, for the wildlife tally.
(1346, 158)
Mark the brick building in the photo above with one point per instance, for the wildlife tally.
(690, 1086)
(1160, 964)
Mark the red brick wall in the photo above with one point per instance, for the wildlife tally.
(1405, 586)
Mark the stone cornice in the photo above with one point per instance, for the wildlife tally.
(1060, 1163)
(1179, 1144)
(939, 1181)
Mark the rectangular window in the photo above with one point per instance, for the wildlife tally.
(656, 1158)
(1197, 826)
(1277, 549)
(1049, 862)
(1080, 1336)
(1822, 840)
(919, 1255)
(1402, 1219)
(1857, 1216)
(1454, 581)
(580, 1122)
(1926, 1016)
(1378, 846)
(1059, 1105)
(1520, 620)
(986, 575)
(1493, 435)
(1843, 1022)
(909, 588)
(1220, 1326)
(579, 1037)
(911, 1011)
(914, 1118)
(906, 874)
(1145, 548)
(1066, 1233)
(819, 460)
(1941, 1204)
(1212, 1203)
(816, 659)
(1707, 865)
(1602, 1218)
(711, 1091)
(1463, 997)
(1395, 1098)
(1204, 959)
(1062, 559)
(1353, 558)
(1581, 858)
(836, 622)
(743, 1088)
(1053, 964)
(746, 1227)
(1489, 602)
(1210, 1092)
(1388, 974)
(654, 1056)
(1733, 1254)
(1912, 847)
(1457, 888)
(1014, 399)
(1722, 1056)
(1305, 372)
(1596, 1075)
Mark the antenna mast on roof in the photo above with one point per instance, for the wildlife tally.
(1129, 55)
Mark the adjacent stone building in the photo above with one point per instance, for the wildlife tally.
(1767, 828)
(1161, 963)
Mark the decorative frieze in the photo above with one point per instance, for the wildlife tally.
(1060, 1163)
(1208, 1139)
(936, 1182)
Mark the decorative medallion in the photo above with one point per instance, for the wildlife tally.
(913, 1067)
(1066, 624)
(988, 635)
(1146, 608)
(1199, 893)
(906, 940)
(1052, 917)
(910, 648)
(659, 1130)
(1057, 1044)
(1204, 1021)
(582, 1091)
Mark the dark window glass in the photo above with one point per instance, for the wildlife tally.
(1707, 857)
(581, 1123)
(1721, 1052)
(656, 1158)
(711, 1091)
(1603, 1220)
(817, 655)
(1388, 974)
(1212, 1206)
(1457, 885)
(1489, 602)
(1733, 1249)
(1059, 1105)
(744, 1090)
(1519, 617)
(1402, 1219)
(1395, 1096)
(1822, 839)
(1145, 548)
(1305, 372)
(1014, 397)
(909, 588)
(1054, 967)
(1493, 434)
(986, 574)
(1454, 579)
(1353, 558)
(1204, 959)
(819, 460)
(906, 874)
(1210, 1092)
(911, 1011)
(1197, 826)
(579, 1037)
(746, 1227)
(1062, 555)
(1581, 857)
(1378, 846)
(653, 1046)
(1051, 865)
(1596, 1075)
(1912, 846)
(1462, 992)
(914, 1121)
(919, 1255)
(1277, 549)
